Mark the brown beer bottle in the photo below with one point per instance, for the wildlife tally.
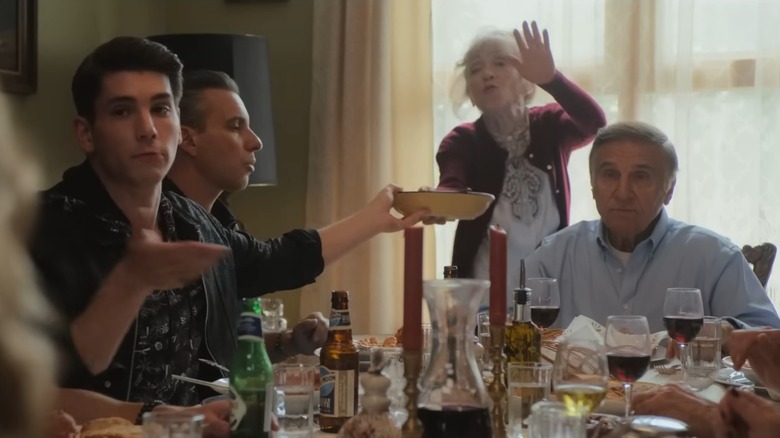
(339, 368)
(451, 271)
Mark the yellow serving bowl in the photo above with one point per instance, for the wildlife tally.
(448, 205)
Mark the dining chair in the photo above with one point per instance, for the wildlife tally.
(761, 257)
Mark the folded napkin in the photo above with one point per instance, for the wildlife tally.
(584, 329)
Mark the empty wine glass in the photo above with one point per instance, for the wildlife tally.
(628, 351)
(683, 318)
(545, 301)
(580, 376)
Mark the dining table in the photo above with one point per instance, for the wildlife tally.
(713, 393)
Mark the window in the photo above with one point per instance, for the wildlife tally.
(707, 72)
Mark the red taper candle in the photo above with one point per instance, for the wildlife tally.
(497, 275)
(413, 266)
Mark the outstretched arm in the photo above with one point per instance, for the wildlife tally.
(344, 235)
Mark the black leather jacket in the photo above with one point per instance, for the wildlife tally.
(82, 234)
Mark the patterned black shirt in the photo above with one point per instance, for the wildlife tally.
(169, 336)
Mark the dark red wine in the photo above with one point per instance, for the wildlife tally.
(455, 422)
(544, 316)
(683, 329)
(627, 367)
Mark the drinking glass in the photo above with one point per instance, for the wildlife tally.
(172, 425)
(628, 351)
(704, 354)
(529, 383)
(580, 376)
(293, 399)
(272, 315)
(683, 318)
(553, 419)
(545, 301)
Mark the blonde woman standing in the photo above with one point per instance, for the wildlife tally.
(515, 152)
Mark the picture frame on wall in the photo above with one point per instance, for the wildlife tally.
(18, 46)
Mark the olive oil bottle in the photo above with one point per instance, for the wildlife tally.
(523, 338)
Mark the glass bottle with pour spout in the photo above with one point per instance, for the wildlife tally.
(523, 338)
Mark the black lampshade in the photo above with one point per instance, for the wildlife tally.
(245, 59)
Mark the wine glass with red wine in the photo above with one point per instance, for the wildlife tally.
(545, 301)
(683, 318)
(628, 351)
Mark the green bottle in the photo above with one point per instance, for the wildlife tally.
(251, 376)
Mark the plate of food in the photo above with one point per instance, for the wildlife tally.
(450, 205)
(369, 342)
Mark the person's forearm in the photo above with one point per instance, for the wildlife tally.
(100, 329)
(84, 406)
(578, 104)
(339, 238)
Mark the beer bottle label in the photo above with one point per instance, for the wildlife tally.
(250, 327)
(337, 393)
(339, 320)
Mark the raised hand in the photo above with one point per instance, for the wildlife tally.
(536, 61)
(151, 264)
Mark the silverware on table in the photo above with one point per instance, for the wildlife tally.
(216, 365)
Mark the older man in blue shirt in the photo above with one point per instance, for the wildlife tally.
(623, 263)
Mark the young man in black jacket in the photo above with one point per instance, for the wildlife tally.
(148, 281)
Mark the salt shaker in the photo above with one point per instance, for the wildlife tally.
(374, 420)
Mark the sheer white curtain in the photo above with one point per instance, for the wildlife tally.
(370, 123)
(707, 72)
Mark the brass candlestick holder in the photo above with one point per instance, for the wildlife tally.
(412, 428)
(497, 388)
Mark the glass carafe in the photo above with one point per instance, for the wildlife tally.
(453, 400)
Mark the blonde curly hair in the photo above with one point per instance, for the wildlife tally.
(26, 355)
(459, 92)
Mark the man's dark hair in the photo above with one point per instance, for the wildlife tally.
(119, 55)
(193, 112)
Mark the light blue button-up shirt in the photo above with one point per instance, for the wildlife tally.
(593, 281)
